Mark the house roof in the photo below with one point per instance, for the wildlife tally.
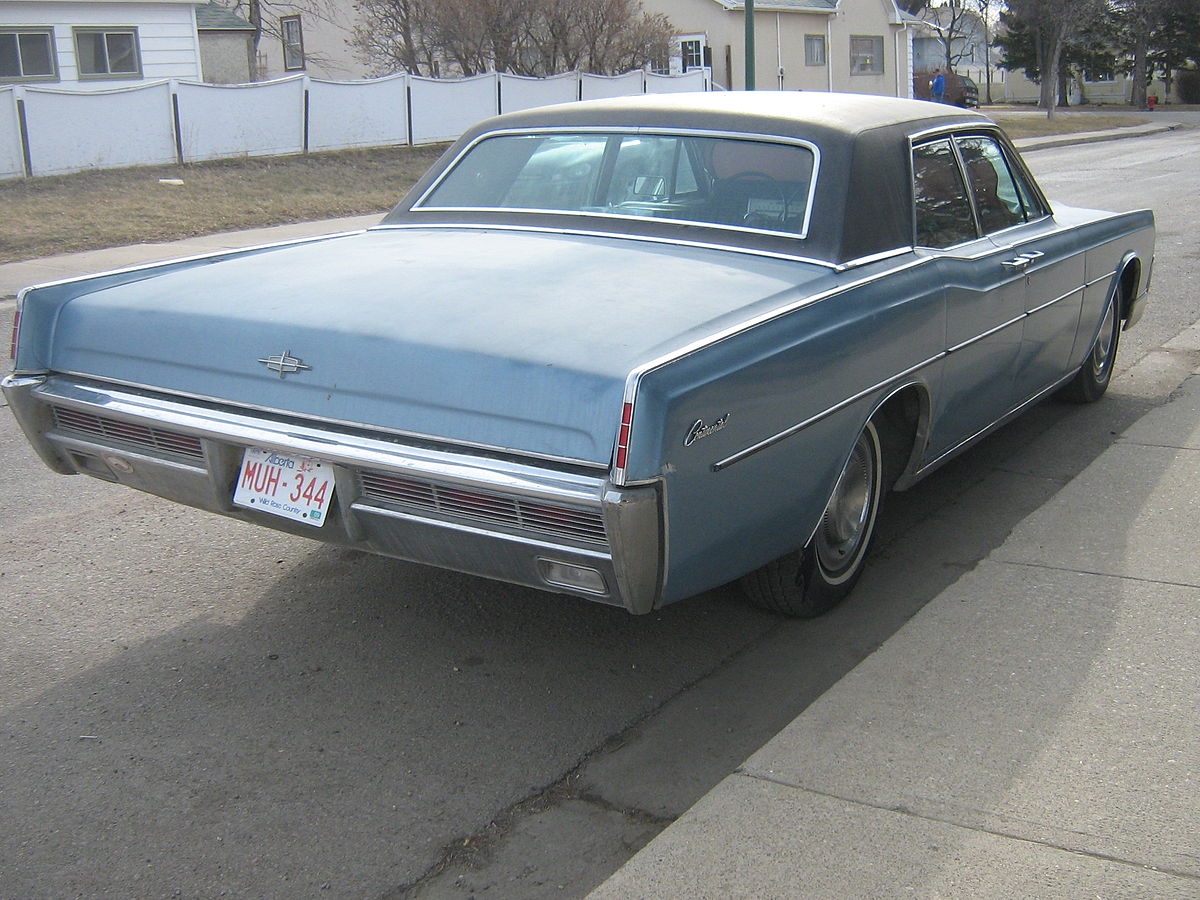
(800, 6)
(215, 17)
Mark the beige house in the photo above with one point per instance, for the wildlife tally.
(859, 46)
(310, 37)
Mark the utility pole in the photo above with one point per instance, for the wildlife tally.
(749, 44)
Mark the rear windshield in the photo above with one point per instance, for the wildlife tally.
(728, 182)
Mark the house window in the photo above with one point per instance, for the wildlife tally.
(107, 53)
(866, 55)
(293, 42)
(814, 49)
(27, 54)
(693, 55)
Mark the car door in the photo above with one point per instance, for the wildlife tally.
(984, 301)
(1044, 260)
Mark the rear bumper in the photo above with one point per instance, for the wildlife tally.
(493, 517)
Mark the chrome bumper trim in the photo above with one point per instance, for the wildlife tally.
(631, 562)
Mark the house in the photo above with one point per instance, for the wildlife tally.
(308, 39)
(858, 46)
(227, 53)
(97, 44)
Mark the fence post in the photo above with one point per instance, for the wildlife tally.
(306, 81)
(408, 109)
(176, 122)
(23, 128)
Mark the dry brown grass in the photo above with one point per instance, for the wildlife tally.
(1033, 123)
(90, 210)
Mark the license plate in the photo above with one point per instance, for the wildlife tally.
(295, 487)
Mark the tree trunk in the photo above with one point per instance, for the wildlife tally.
(1049, 50)
(1141, 45)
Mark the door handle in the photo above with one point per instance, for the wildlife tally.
(1032, 255)
(1016, 264)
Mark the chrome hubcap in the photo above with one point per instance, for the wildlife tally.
(848, 514)
(1102, 352)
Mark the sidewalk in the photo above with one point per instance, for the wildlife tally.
(1033, 732)
(14, 276)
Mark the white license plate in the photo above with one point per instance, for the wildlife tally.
(295, 487)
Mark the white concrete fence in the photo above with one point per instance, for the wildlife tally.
(46, 131)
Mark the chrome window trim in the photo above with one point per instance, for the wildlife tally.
(874, 257)
(617, 235)
(1011, 157)
(948, 128)
(289, 421)
(418, 205)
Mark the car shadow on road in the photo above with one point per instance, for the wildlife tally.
(364, 717)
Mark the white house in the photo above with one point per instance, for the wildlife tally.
(97, 44)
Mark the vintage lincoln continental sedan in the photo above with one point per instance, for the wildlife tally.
(628, 350)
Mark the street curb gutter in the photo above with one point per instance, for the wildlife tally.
(1026, 145)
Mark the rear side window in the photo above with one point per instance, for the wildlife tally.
(943, 209)
(998, 199)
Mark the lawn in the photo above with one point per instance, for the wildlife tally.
(1033, 123)
(111, 208)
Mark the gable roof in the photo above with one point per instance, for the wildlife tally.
(215, 17)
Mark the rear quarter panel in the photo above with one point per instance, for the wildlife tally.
(1112, 242)
(831, 360)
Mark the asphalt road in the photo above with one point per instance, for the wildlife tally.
(194, 707)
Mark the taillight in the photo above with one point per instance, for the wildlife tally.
(12, 348)
(623, 436)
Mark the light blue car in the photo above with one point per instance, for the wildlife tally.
(628, 350)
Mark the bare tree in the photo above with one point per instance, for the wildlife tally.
(954, 24)
(525, 37)
(397, 35)
(264, 15)
(1051, 24)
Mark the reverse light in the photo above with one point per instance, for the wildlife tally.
(579, 578)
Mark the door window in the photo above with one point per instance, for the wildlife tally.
(943, 210)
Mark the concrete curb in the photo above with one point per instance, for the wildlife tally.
(1026, 145)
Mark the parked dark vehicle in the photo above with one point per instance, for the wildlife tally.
(628, 350)
(960, 90)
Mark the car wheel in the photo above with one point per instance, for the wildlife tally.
(810, 581)
(1091, 381)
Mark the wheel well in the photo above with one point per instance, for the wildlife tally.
(1131, 277)
(900, 419)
